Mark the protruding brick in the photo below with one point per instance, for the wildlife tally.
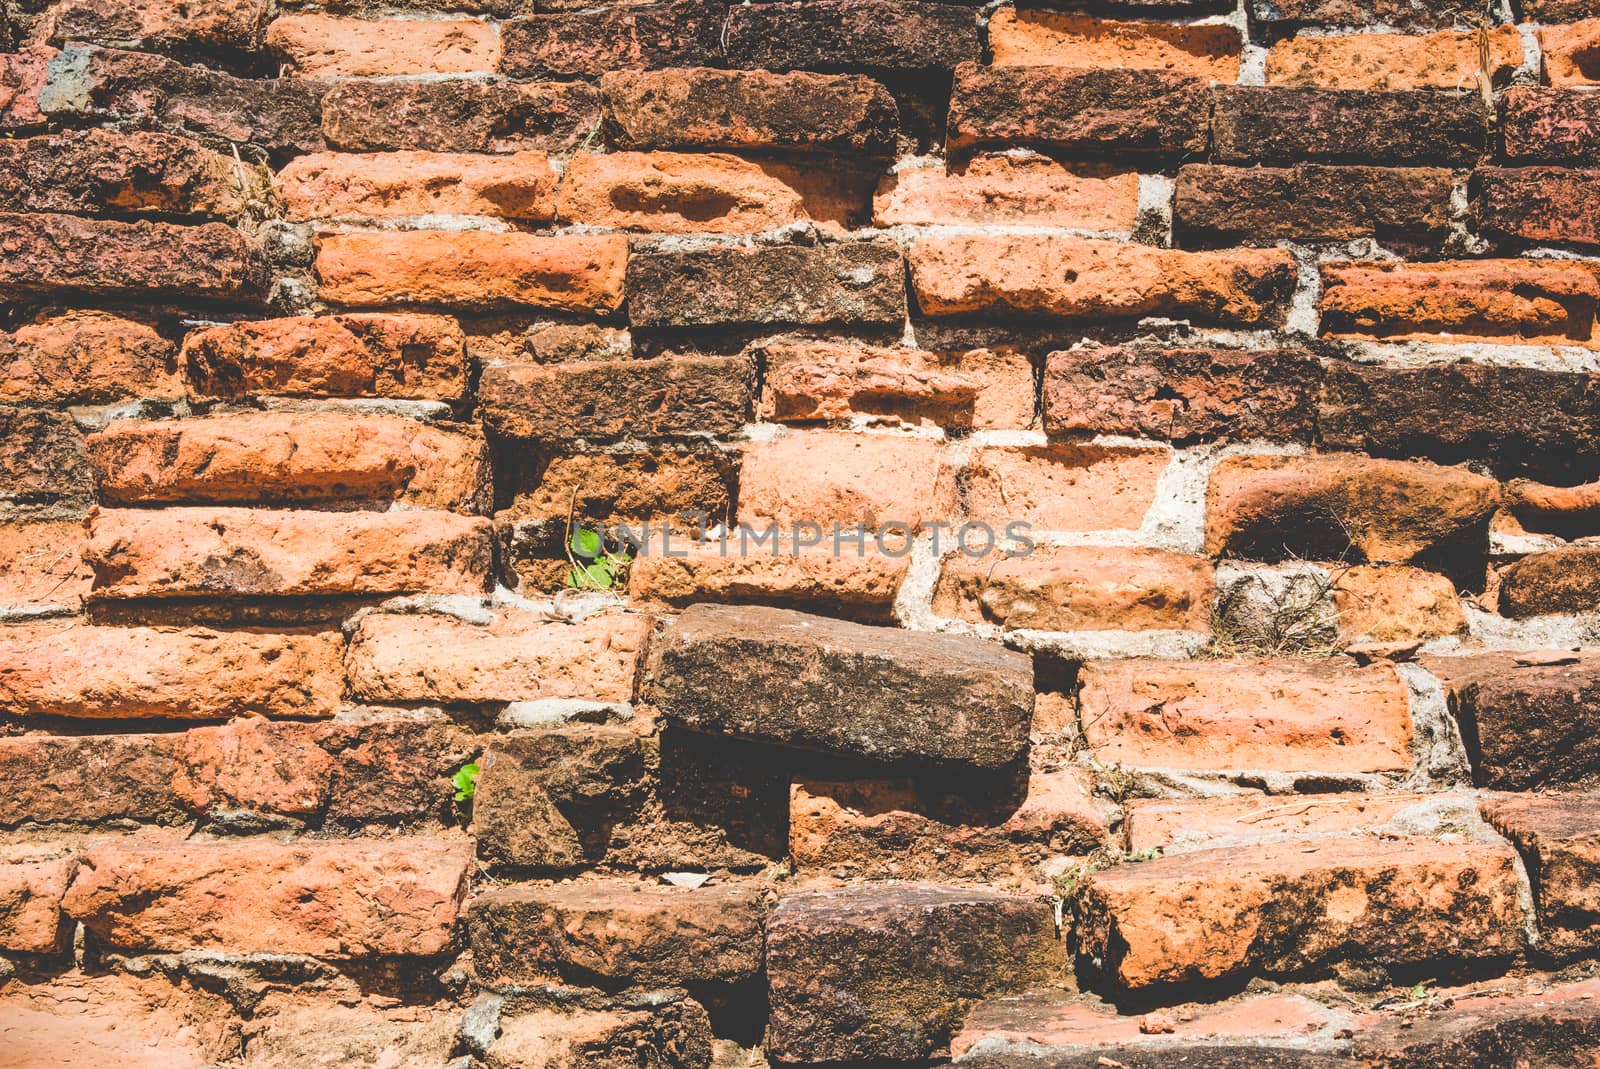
(895, 35)
(333, 185)
(101, 258)
(1031, 37)
(618, 930)
(999, 190)
(855, 282)
(30, 905)
(808, 681)
(1395, 603)
(86, 358)
(1079, 589)
(887, 972)
(238, 552)
(817, 579)
(1449, 59)
(1094, 111)
(1062, 487)
(1310, 202)
(570, 273)
(671, 395)
(1513, 300)
(377, 354)
(254, 766)
(331, 46)
(825, 477)
(1183, 395)
(1569, 52)
(338, 899)
(656, 485)
(515, 657)
(1559, 581)
(1284, 124)
(1559, 839)
(459, 115)
(82, 671)
(43, 461)
(1076, 278)
(1327, 506)
(1568, 511)
(94, 172)
(1284, 716)
(1296, 908)
(638, 36)
(1542, 204)
(228, 26)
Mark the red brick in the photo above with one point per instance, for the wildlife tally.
(377, 354)
(336, 899)
(1543, 204)
(253, 766)
(1076, 278)
(827, 476)
(1537, 1021)
(1550, 125)
(1568, 511)
(670, 1029)
(1284, 716)
(41, 564)
(86, 358)
(333, 185)
(1449, 59)
(600, 399)
(841, 583)
(1062, 487)
(1286, 124)
(1001, 190)
(1395, 603)
(897, 35)
(58, 254)
(1258, 205)
(284, 456)
(515, 657)
(228, 26)
(1051, 38)
(95, 172)
(84, 671)
(570, 273)
(658, 485)
(704, 108)
(1559, 840)
(1569, 52)
(90, 779)
(22, 77)
(318, 45)
(30, 905)
(238, 552)
(459, 115)
(634, 36)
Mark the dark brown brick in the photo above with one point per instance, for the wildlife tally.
(1559, 839)
(1555, 1026)
(1526, 726)
(1095, 112)
(1558, 10)
(1282, 124)
(43, 460)
(1434, 15)
(1559, 581)
(459, 115)
(1309, 202)
(233, 28)
(1543, 204)
(847, 35)
(627, 37)
(1544, 125)
(95, 172)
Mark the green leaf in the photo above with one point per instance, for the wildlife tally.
(586, 543)
(466, 781)
(600, 575)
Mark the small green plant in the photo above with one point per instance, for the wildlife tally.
(594, 567)
(466, 781)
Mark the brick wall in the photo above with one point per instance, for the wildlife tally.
(1253, 349)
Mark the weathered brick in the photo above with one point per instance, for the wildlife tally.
(855, 282)
(1297, 908)
(1396, 603)
(290, 456)
(1559, 581)
(618, 930)
(515, 657)
(999, 190)
(1285, 124)
(227, 26)
(1062, 487)
(378, 354)
(1568, 511)
(887, 972)
(1449, 59)
(571, 273)
(1558, 10)
(656, 485)
(101, 258)
(1193, 823)
(338, 899)
(1569, 52)
(1540, 1023)
(93, 172)
(41, 564)
(78, 670)
(458, 115)
(1086, 588)
(792, 679)
(625, 37)
(1559, 840)
(1542, 204)
(670, 395)
(1032, 37)
(1183, 395)
(1550, 125)
(825, 477)
(1309, 202)
(332, 185)
(658, 1028)
(252, 766)
(1284, 716)
(1527, 726)
(1506, 299)
(1093, 111)
(896, 35)
(1072, 278)
(86, 358)
(43, 461)
(1437, 14)
(89, 779)
(1329, 506)
(704, 108)
(332, 46)
(239, 552)
(22, 79)
(30, 905)
(392, 771)
(281, 115)
(819, 580)
(1518, 419)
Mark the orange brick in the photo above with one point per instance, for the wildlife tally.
(1220, 821)
(1062, 487)
(1056, 39)
(1449, 59)
(1002, 190)
(1570, 52)
(41, 563)
(329, 46)
(1396, 604)
(332, 185)
(86, 358)
(825, 477)
(30, 904)
(814, 577)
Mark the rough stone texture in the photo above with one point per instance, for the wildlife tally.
(41, 564)
(1298, 908)
(1539, 204)
(1569, 511)
(228, 26)
(1350, 13)
(618, 930)
(1310, 202)
(1330, 507)
(828, 477)
(993, 190)
(516, 657)
(1183, 395)
(813, 578)
(236, 552)
(331, 185)
(1559, 581)
(1285, 124)
(105, 1021)
(330, 899)
(86, 358)
(1284, 716)
(896, 35)
(30, 905)
(558, 44)
(89, 779)
(601, 399)
(1558, 1026)
(1559, 839)
(1527, 726)
(1448, 59)
(330, 46)
(808, 681)
(1545, 125)
(1078, 278)
(855, 283)
(67, 669)
(864, 973)
(104, 259)
(96, 171)
(657, 1030)
(1030, 37)
(459, 115)
(43, 461)
(378, 354)
(1104, 112)
(22, 79)
(705, 108)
